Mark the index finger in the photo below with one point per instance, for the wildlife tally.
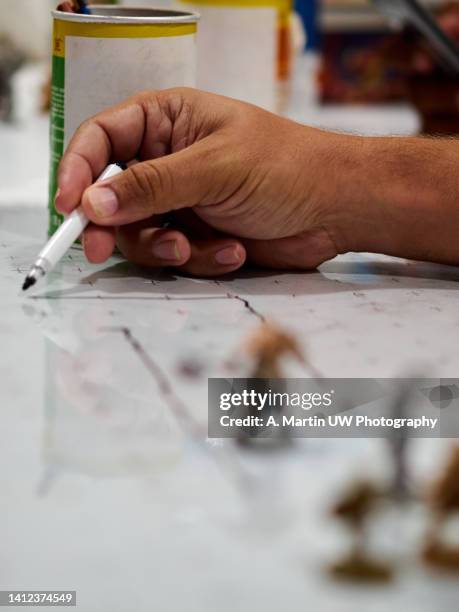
(113, 135)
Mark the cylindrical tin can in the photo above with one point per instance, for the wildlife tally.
(249, 43)
(101, 59)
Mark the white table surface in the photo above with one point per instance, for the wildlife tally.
(105, 491)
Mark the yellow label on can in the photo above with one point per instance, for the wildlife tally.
(62, 29)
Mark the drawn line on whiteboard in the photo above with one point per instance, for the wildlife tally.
(226, 460)
(248, 305)
(115, 298)
(245, 301)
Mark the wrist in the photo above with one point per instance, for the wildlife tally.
(364, 194)
(336, 198)
(394, 195)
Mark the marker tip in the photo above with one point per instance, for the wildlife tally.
(29, 281)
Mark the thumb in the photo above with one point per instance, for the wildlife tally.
(153, 187)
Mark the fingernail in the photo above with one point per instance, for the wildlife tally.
(56, 197)
(167, 250)
(228, 257)
(103, 201)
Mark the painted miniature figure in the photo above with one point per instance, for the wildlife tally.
(445, 507)
(266, 347)
(354, 510)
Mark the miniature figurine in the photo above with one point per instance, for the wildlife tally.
(354, 510)
(445, 505)
(398, 442)
(266, 347)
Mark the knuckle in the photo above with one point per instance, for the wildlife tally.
(145, 94)
(144, 98)
(146, 181)
(176, 92)
(138, 181)
(84, 125)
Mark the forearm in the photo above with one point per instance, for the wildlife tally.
(398, 196)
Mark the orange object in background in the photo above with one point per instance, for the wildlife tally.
(285, 49)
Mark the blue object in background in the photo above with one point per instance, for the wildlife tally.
(83, 7)
(308, 9)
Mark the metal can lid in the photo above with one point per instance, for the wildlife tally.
(101, 13)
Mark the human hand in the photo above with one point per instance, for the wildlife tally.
(241, 184)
